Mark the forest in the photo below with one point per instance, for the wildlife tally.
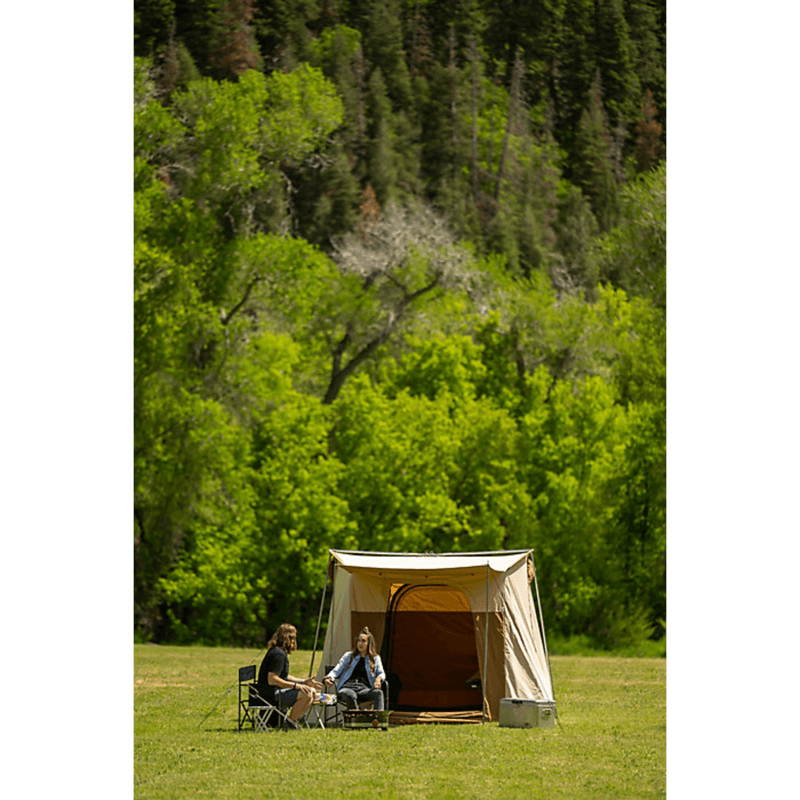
(399, 285)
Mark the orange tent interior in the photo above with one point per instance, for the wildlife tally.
(430, 652)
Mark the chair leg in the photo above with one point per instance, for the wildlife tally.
(261, 719)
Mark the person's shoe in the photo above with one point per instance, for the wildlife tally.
(327, 699)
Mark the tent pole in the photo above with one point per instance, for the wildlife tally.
(538, 612)
(319, 618)
(485, 649)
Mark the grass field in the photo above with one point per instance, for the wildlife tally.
(611, 741)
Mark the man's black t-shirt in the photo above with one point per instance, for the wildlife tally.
(275, 661)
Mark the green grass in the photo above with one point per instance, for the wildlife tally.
(583, 646)
(611, 741)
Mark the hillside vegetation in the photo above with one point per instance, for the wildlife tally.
(400, 284)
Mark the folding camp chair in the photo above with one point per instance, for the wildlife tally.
(254, 710)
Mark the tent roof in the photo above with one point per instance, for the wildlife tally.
(498, 561)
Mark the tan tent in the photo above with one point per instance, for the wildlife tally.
(429, 615)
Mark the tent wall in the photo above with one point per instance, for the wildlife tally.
(527, 668)
(338, 638)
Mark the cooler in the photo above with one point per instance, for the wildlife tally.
(516, 713)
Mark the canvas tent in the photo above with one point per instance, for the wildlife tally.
(429, 615)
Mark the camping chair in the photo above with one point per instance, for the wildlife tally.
(254, 709)
(337, 710)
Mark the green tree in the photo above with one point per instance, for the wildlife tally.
(382, 159)
(647, 47)
(614, 61)
(338, 54)
(634, 254)
(236, 50)
(594, 170)
(476, 360)
(151, 25)
(175, 456)
(284, 31)
(390, 272)
(240, 136)
(574, 68)
(326, 197)
(427, 473)
(383, 48)
(573, 267)
(573, 449)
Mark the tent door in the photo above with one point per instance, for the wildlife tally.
(429, 650)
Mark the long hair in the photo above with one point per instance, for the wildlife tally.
(284, 638)
(371, 652)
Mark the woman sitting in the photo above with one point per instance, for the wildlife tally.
(359, 674)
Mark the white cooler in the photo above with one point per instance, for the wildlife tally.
(516, 713)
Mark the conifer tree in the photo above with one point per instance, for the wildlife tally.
(170, 65)
(573, 69)
(236, 48)
(474, 77)
(338, 54)
(647, 49)
(614, 61)
(152, 26)
(382, 161)
(512, 118)
(383, 47)
(593, 170)
(283, 32)
(421, 56)
(648, 135)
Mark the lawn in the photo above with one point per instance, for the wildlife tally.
(611, 740)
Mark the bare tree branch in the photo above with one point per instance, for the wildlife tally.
(407, 253)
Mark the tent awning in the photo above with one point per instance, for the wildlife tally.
(498, 561)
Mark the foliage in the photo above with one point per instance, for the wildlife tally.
(404, 290)
(633, 254)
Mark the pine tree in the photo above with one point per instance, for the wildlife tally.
(648, 138)
(170, 65)
(339, 56)
(513, 118)
(475, 76)
(647, 48)
(383, 46)
(152, 26)
(593, 170)
(283, 32)
(614, 60)
(421, 56)
(573, 69)
(236, 47)
(382, 160)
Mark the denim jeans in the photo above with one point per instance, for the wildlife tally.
(354, 692)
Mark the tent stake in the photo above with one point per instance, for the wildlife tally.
(485, 649)
(319, 618)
